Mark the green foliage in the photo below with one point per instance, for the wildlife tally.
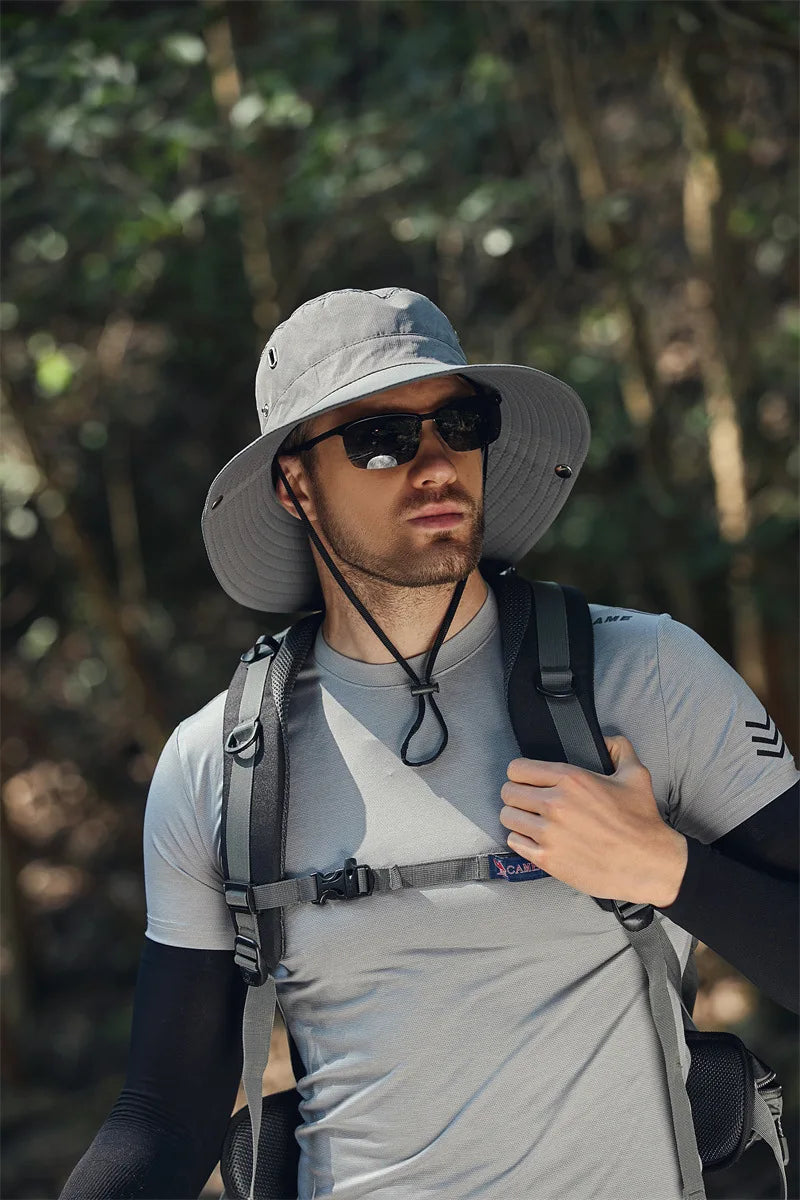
(401, 142)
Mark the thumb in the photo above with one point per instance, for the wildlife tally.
(621, 751)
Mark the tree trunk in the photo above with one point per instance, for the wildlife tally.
(255, 184)
(641, 389)
(710, 299)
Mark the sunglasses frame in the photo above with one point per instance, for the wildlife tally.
(487, 395)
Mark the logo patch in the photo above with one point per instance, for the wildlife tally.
(773, 739)
(513, 867)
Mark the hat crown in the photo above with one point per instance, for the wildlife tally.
(339, 337)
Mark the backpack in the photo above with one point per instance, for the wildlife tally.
(730, 1098)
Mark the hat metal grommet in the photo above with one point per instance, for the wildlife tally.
(272, 356)
(214, 503)
(563, 471)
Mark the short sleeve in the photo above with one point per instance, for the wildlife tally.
(727, 758)
(183, 881)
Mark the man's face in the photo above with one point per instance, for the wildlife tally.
(414, 525)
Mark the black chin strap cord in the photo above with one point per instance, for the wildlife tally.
(422, 688)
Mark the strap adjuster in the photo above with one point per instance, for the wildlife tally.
(555, 675)
(247, 956)
(632, 916)
(344, 884)
(239, 897)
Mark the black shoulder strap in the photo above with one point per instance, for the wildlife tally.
(548, 650)
(254, 792)
(548, 646)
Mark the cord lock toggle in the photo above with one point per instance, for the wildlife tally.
(423, 689)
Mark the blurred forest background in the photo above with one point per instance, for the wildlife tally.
(607, 191)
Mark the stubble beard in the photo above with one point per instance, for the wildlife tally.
(443, 561)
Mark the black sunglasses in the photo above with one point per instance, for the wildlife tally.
(390, 439)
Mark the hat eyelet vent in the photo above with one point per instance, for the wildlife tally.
(214, 503)
(563, 471)
(272, 356)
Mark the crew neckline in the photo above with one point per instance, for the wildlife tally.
(453, 651)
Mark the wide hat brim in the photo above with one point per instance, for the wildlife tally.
(260, 553)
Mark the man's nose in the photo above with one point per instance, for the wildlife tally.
(433, 463)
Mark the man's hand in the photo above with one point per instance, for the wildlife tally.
(601, 834)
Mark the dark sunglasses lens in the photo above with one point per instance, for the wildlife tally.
(375, 438)
(466, 426)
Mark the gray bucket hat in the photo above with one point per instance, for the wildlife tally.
(349, 344)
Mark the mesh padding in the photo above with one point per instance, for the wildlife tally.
(278, 1150)
(720, 1087)
(514, 610)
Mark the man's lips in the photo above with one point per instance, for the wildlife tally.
(443, 517)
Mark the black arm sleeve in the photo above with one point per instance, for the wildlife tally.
(739, 895)
(164, 1134)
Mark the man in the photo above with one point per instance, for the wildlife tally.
(470, 1040)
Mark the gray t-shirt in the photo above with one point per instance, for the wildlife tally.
(476, 1041)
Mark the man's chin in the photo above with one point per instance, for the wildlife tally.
(440, 563)
(442, 558)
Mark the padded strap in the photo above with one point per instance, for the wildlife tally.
(557, 686)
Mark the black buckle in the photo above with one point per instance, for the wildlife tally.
(637, 916)
(239, 896)
(247, 956)
(344, 884)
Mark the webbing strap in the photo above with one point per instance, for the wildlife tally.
(475, 868)
(237, 834)
(649, 945)
(766, 1128)
(259, 1013)
(557, 682)
(674, 973)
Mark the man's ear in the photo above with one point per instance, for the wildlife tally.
(299, 482)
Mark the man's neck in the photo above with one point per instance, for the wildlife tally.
(410, 617)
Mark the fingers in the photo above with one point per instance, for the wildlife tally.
(531, 825)
(525, 846)
(539, 773)
(536, 771)
(523, 795)
(621, 750)
(626, 760)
